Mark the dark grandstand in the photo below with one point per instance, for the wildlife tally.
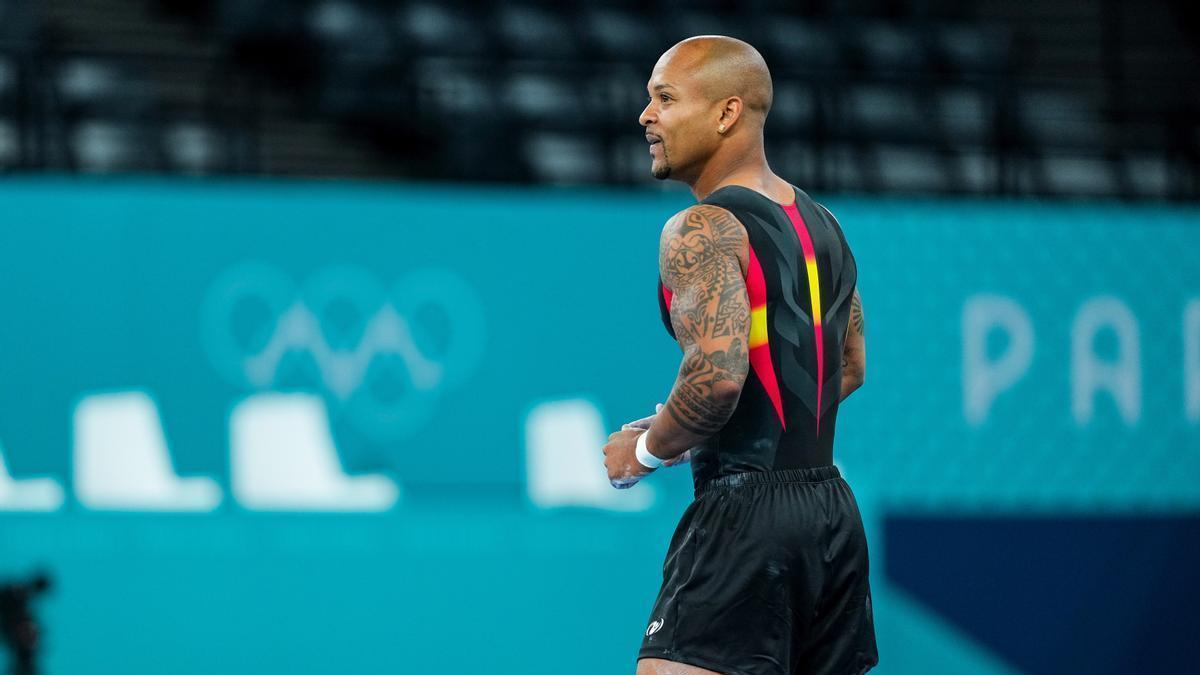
(1076, 98)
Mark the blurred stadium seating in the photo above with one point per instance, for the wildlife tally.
(1074, 98)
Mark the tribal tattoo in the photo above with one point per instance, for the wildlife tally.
(856, 314)
(699, 261)
(854, 351)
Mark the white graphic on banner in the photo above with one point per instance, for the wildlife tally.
(28, 494)
(983, 377)
(1122, 377)
(1191, 360)
(563, 463)
(283, 458)
(382, 356)
(122, 462)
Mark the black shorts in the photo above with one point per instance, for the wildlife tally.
(767, 574)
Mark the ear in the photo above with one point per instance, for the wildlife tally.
(731, 112)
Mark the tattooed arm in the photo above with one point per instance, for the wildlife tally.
(854, 353)
(701, 257)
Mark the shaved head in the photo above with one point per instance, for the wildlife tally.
(724, 67)
(708, 99)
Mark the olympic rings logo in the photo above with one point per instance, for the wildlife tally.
(382, 356)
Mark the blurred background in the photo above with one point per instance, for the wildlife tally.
(316, 315)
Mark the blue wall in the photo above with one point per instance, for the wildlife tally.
(1031, 361)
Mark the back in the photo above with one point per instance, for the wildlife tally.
(800, 280)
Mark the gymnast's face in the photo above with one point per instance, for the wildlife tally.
(680, 119)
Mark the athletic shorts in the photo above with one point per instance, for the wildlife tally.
(767, 575)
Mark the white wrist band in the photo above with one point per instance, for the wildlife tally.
(643, 453)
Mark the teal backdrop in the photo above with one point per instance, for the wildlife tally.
(1029, 364)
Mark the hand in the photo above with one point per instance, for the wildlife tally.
(620, 458)
(645, 423)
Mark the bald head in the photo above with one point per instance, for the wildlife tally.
(707, 102)
(725, 67)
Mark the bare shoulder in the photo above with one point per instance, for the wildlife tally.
(697, 238)
(706, 220)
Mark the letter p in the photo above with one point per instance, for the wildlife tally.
(983, 377)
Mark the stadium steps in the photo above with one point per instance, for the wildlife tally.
(1059, 40)
(122, 26)
(184, 68)
(315, 148)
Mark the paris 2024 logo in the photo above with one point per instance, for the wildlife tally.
(382, 355)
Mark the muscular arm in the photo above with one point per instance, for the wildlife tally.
(699, 260)
(854, 353)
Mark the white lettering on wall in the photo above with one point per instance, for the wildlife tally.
(1191, 360)
(1121, 377)
(983, 377)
